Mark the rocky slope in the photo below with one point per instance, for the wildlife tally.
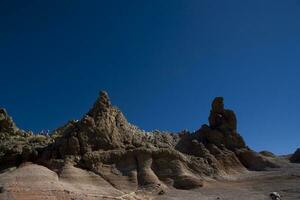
(16, 145)
(126, 158)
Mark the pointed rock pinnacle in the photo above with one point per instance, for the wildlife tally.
(102, 104)
(104, 99)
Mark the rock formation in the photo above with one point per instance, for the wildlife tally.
(128, 158)
(220, 118)
(295, 158)
(6, 122)
(17, 146)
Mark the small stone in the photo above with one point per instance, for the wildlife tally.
(275, 196)
(161, 192)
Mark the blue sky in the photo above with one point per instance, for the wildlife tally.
(162, 62)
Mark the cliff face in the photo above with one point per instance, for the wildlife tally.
(128, 158)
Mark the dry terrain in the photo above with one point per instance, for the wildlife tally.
(31, 181)
(103, 156)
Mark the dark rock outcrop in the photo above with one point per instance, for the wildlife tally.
(220, 118)
(295, 158)
(222, 127)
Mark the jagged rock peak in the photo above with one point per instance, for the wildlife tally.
(104, 99)
(102, 104)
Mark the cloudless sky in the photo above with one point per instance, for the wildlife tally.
(161, 61)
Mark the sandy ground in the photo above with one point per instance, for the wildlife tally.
(34, 182)
(249, 186)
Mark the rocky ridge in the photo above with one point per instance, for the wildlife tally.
(128, 158)
(16, 145)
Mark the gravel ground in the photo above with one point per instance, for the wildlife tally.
(249, 186)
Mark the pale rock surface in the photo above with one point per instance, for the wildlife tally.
(103, 156)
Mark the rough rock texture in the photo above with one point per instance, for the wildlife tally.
(17, 146)
(220, 118)
(128, 158)
(295, 158)
(6, 122)
(35, 182)
(254, 161)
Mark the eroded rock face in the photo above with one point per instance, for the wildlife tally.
(104, 127)
(17, 146)
(129, 158)
(6, 122)
(220, 118)
(295, 158)
(222, 127)
(255, 161)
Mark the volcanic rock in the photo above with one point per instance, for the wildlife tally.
(255, 161)
(16, 145)
(6, 122)
(104, 143)
(220, 118)
(295, 158)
